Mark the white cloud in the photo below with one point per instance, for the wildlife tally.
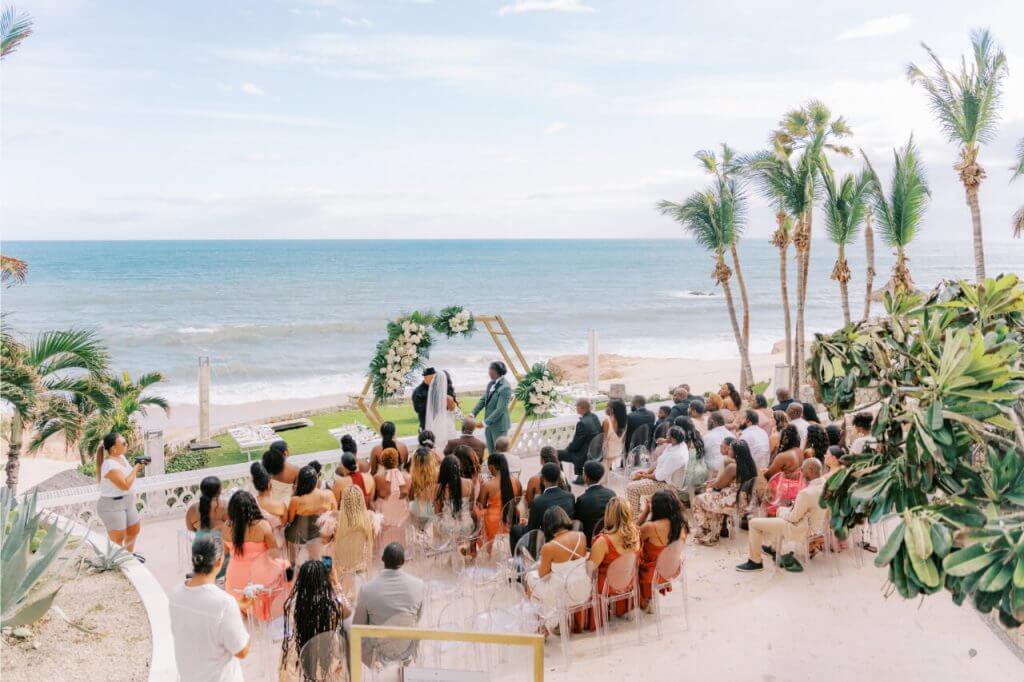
(884, 26)
(361, 22)
(556, 127)
(251, 89)
(520, 6)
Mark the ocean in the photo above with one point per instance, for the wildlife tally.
(298, 319)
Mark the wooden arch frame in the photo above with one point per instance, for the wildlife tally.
(512, 355)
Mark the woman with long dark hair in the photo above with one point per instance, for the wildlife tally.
(315, 607)
(306, 506)
(784, 476)
(388, 442)
(817, 442)
(274, 511)
(497, 496)
(116, 506)
(665, 525)
(453, 504)
(614, 430)
(731, 399)
(722, 494)
(254, 553)
(207, 513)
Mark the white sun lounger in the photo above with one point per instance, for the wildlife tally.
(250, 438)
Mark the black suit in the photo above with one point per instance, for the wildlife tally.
(551, 497)
(576, 452)
(783, 405)
(419, 402)
(641, 416)
(680, 409)
(590, 508)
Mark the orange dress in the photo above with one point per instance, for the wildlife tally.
(649, 553)
(588, 620)
(255, 566)
(492, 519)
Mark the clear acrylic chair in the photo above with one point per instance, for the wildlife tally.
(527, 550)
(577, 598)
(185, 539)
(323, 659)
(457, 615)
(621, 585)
(670, 568)
(386, 652)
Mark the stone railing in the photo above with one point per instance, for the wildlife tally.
(169, 495)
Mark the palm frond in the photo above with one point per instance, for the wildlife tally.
(14, 29)
(55, 351)
(12, 270)
(899, 211)
(846, 203)
(1018, 169)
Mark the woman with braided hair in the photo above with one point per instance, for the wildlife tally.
(315, 607)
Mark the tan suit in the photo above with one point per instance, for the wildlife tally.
(793, 523)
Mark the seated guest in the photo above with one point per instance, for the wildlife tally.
(534, 487)
(282, 473)
(587, 428)
(349, 474)
(816, 443)
(659, 476)
(835, 434)
(715, 404)
(699, 416)
(387, 440)
(783, 400)
(789, 457)
(783, 487)
(469, 467)
(552, 496)
(781, 422)
(662, 424)
(469, 425)
(681, 403)
(207, 513)
(305, 507)
(614, 429)
(453, 503)
(497, 496)
(765, 417)
(811, 414)
(722, 495)
(639, 416)
(209, 634)
(391, 593)
(665, 524)
(353, 535)
(503, 444)
(731, 399)
(591, 504)
(717, 433)
(315, 607)
(862, 423)
(795, 412)
(620, 537)
(755, 438)
(793, 524)
(254, 553)
(392, 492)
(696, 468)
(559, 581)
(422, 487)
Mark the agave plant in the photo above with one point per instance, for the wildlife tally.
(108, 559)
(949, 458)
(25, 591)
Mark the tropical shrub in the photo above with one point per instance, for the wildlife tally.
(188, 461)
(947, 371)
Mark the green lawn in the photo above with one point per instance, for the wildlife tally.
(315, 438)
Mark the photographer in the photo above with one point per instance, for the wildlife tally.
(116, 505)
(209, 635)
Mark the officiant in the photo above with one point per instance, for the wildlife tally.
(420, 393)
(495, 402)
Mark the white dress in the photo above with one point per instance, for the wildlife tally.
(565, 587)
(439, 420)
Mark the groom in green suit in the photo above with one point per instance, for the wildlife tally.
(495, 401)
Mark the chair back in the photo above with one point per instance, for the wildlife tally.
(323, 659)
(595, 451)
(529, 545)
(509, 515)
(640, 437)
(457, 614)
(389, 650)
(621, 575)
(579, 586)
(670, 562)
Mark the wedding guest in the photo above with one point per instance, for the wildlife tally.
(781, 422)
(811, 414)
(469, 425)
(614, 429)
(552, 496)
(716, 404)
(699, 416)
(454, 499)
(503, 445)
(755, 438)
(765, 417)
(639, 416)
(722, 495)
(835, 434)
(663, 423)
(560, 580)
(731, 399)
(659, 476)
(784, 478)
(209, 636)
(305, 507)
(620, 537)
(587, 428)
(713, 439)
(469, 467)
(590, 505)
(353, 535)
(789, 456)
(426, 439)
(116, 506)
(422, 487)
(392, 496)
(387, 440)
(665, 524)
(315, 607)
(274, 511)
(254, 553)
(681, 403)
(282, 473)
(348, 474)
(499, 495)
(392, 592)
(862, 424)
(795, 412)
(534, 485)
(793, 524)
(817, 443)
(207, 513)
(783, 400)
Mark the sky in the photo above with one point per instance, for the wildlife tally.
(449, 119)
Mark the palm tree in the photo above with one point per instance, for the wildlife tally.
(14, 28)
(899, 213)
(812, 130)
(130, 402)
(12, 270)
(845, 209)
(966, 103)
(712, 218)
(869, 271)
(1018, 170)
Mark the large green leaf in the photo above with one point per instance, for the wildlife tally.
(968, 560)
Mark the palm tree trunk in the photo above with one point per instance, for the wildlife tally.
(743, 295)
(745, 370)
(784, 286)
(14, 454)
(979, 247)
(844, 292)
(869, 246)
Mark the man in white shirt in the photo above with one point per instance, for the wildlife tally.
(862, 422)
(713, 439)
(209, 635)
(672, 461)
(795, 412)
(756, 439)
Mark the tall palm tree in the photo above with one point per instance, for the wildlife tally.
(811, 130)
(712, 218)
(845, 209)
(14, 28)
(1018, 170)
(966, 103)
(869, 270)
(130, 402)
(899, 210)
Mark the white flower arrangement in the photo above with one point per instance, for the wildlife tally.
(455, 320)
(539, 392)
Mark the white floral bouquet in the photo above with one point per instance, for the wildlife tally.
(400, 354)
(538, 391)
(455, 320)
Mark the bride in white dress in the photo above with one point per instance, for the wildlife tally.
(442, 411)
